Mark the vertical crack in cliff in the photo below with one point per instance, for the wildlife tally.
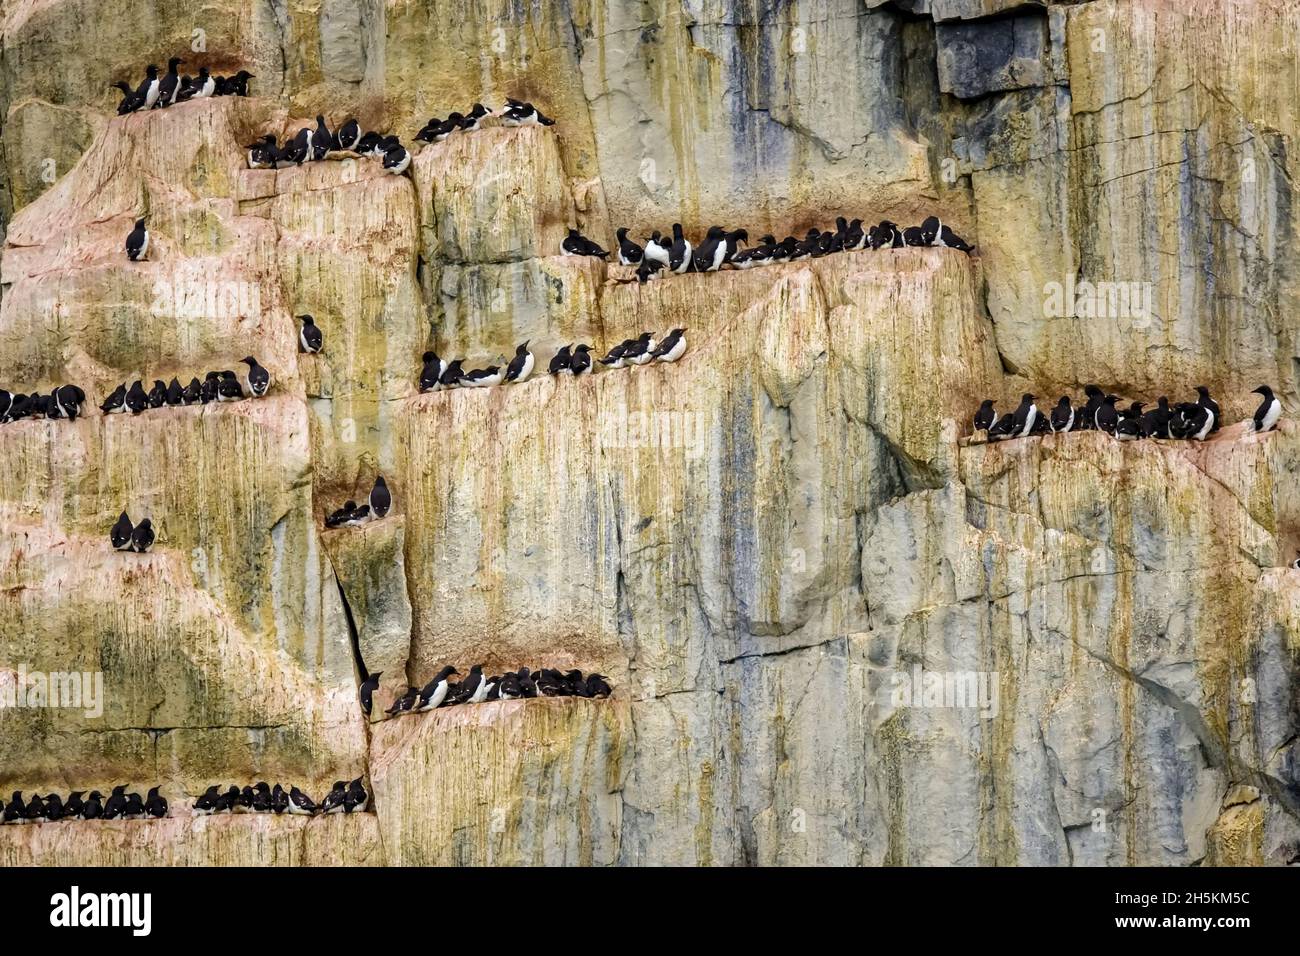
(353, 634)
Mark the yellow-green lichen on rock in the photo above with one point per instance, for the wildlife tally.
(764, 545)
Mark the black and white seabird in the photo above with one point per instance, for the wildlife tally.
(452, 374)
(614, 358)
(521, 366)
(175, 393)
(368, 688)
(712, 251)
(116, 803)
(525, 114)
(322, 140)
(67, 401)
(136, 398)
(348, 135)
(629, 253)
(1129, 428)
(580, 360)
(472, 686)
(380, 498)
(333, 802)
(1025, 416)
(471, 120)
(671, 347)
(147, 91)
(433, 694)
(142, 537)
(431, 371)
(1107, 416)
(404, 703)
(156, 804)
(1211, 406)
(72, 810)
(131, 100)
(120, 534)
(205, 84)
(1088, 415)
(649, 269)
(1155, 423)
(310, 338)
(485, 377)
(985, 416)
(576, 244)
(657, 250)
(228, 387)
(15, 809)
(397, 158)
(300, 804)
(560, 362)
(679, 259)
(137, 242)
(93, 806)
(1063, 415)
(641, 350)
(356, 800)
(264, 152)
(259, 379)
(1269, 411)
(336, 518)
(206, 802)
(169, 84)
(158, 394)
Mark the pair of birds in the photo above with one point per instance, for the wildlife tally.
(722, 247)
(1185, 420)
(263, 798)
(476, 688)
(437, 373)
(224, 386)
(377, 506)
(125, 536)
(312, 145)
(128, 806)
(514, 113)
(155, 91)
(64, 401)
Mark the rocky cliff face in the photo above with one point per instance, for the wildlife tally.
(767, 545)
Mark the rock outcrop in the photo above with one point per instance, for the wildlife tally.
(777, 548)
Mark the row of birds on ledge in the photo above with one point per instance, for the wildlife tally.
(263, 798)
(1185, 420)
(438, 373)
(223, 386)
(312, 145)
(156, 92)
(723, 247)
(119, 804)
(522, 684)
(377, 506)
(64, 401)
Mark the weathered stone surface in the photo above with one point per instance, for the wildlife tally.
(507, 783)
(351, 840)
(764, 545)
(990, 56)
(371, 569)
